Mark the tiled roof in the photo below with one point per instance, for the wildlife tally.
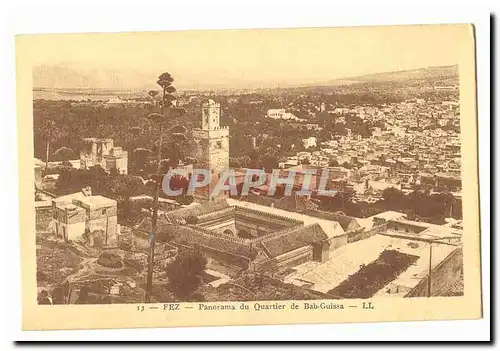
(294, 239)
(190, 235)
(258, 199)
(295, 203)
(205, 208)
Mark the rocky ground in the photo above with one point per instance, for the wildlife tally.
(56, 260)
(456, 289)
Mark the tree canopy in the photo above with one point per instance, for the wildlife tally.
(184, 273)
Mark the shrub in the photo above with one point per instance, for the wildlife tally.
(110, 260)
(184, 273)
(191, 219)
(41, 276)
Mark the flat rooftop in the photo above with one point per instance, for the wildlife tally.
(348, 259)
(91, 201)
(97, 201)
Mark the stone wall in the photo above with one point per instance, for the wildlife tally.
(444, 275)
(374, 230)
(355, 235)
(286, 260)
(405, 227)
(295, 257)
(337, 241)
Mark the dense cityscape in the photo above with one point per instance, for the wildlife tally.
(391, 144)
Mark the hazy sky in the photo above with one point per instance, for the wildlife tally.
(239, 58)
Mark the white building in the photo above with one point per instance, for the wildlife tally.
(115, 101)
(376, 132)
(102, 152)
(280, 113)
(275, 113)
(81, 213)
(309, 142)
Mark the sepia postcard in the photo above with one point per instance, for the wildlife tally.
(242, 177)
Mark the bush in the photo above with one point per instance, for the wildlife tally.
(191, 220)
(184, 273)
(110, 260)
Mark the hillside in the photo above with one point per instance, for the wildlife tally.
(67, 82)
(448, 74)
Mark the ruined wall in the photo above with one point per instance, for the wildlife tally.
(43, 218)
(118, 162)
(88, 156)
(122, 165)
(443, 276)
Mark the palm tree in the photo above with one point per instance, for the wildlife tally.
(48, 130)
(168, 115)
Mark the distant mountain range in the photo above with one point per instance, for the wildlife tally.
(438, 73)
(65, 76)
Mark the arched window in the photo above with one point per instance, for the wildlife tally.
(228, 232)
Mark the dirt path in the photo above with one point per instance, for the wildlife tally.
(88, 272)
(84, 272)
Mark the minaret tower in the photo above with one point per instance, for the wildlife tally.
(212, 140)
(211, 115)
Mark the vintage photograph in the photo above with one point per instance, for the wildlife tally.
(315, 165)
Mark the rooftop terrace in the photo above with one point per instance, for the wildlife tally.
(350, 258)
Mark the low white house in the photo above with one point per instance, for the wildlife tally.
(81, 213)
